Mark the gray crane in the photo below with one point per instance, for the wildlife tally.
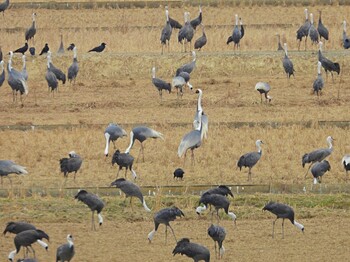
(220, 190)
(263, 88)
(3, 6)
(346, 39)
(165, 216)
(186, 33)
(31, 31)
(236, 34)
(317, 155)
(218, 234)
(250, 159)
(9, 167)
(180, 81)
(200, 119)
(346, 163)
(166, 32)
(230, 39)
(112, 133)
(279, 45)
(322, 30)
(287, 63)
(201, 41)
(327, 64)
(74, 68)
(70, 164)
(282, 211)
(26, 239)
(61, 48)
(303, 31)
(189, 67)
(319, 169)
(51, 78)
(130, 190)
(218, 201)
(27, 260)
(18, 227)
(198, 20)
(313, 33)
(191, 141)
(142, 133)
(160, 84)
(1, 55)
(94, 203)
(16, 81)
(192, 250)
(24, 68)
(318, 83)
(66, 251)
(58, 72)
(2, 73)
(124, 160)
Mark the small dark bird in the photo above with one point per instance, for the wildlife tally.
(3, 6)
(32, 51)
(282, 211)
(192, 250)
(317, 155)
(216, 200)
(17, 227)
(201, 41)
(70, 47)
(112, 133)
(179, 173)
(124, 160)
(45, 49)
(250, 159)
(130, 190)
(22, 49)
(99, 48)
(319, 169)
(160, 84)
(94, 203)
(71, 164)
(346, 163)
(66, 251)
(218, 234)
(26, 239)
(164, 216)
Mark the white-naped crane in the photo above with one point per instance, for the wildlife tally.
(264, 88)
(160, 84)
(303, 31)
(112, 133)
(319, 169)
(282, 211)
(66, 252)
(250, 159)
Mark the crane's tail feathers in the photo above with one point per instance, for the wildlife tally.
(133, 173)
(145, 206)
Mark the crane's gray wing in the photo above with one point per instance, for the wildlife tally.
(130, 189)
(190, 140)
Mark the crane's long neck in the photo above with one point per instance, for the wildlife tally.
(199, 102)
(107, 136)
(194, 56)
(319, 68)
(131, 142)
(312, 19)
(236, 16)
(285, 49)
(9, 65)
(344, 26)
(70, 243)
(258, 146)
(306, 15)
(167, 15)
(75, 53)
(298, 225)
(153, 72)
(330, 146)
(48, 63)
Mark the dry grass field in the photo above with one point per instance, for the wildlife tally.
(115, 86)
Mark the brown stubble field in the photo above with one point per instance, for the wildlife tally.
(115, 86)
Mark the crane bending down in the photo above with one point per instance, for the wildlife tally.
(112, 133)
(192, 250)
(317, 155)
(282, 211)
(142, 133)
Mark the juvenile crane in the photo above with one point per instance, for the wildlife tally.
(166, 32)
(9, 167)
(31, 31)
(317, 155)
(124, 160)
(160, 84)
(71, 164)
(112, 133)
(192, 250)
(282, 211)
(250, 159)
(303, 31)
(130, 190)
(18, 227)
(322, 30)
(94, 203)
(142, 133)
(279, 45)
(319, 169)
(346, 39)
(218, 234)
(287, 63)
(263, 88)
(66, 251)
(165, 216)
(318, 83)
(346, 163)
(26, 239)
(74, 68)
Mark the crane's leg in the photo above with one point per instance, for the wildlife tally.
(92, 221)
(305, 42)
(192, 157)
(217, 216)
(75, 173)
(119, 171)
(172, 230)
(308, 170)
(137, 160)
(113, 144)
(185, 158)
(332, 77)
(126, 170)
(132, 207)
(143, 155)
(32, 250)
(10, 180)
(273, 228)
(215, 250)
(282, 228)
(168, 46)
(162, 48)
(166, 233)
(260, 98)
